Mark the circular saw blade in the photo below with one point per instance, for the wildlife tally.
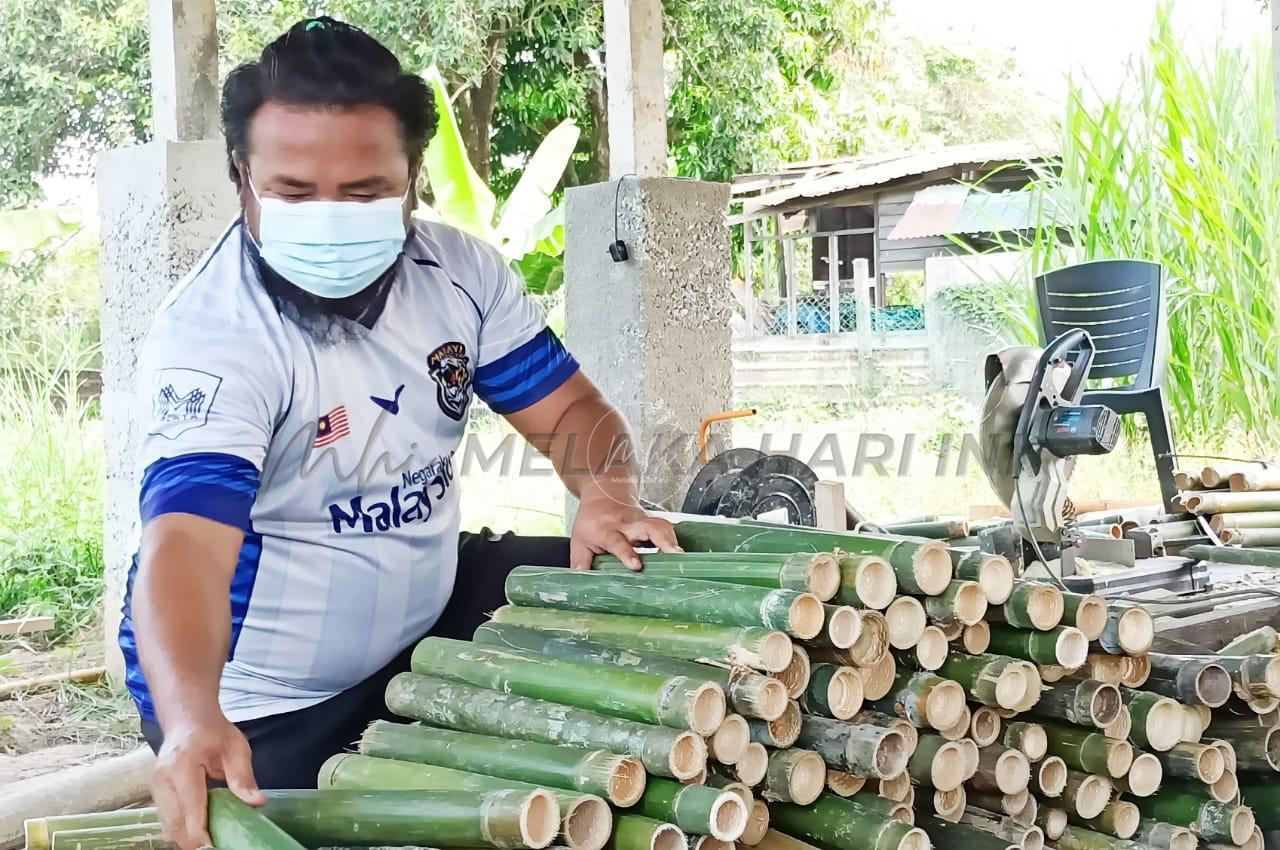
(774, 481)
(714, 479)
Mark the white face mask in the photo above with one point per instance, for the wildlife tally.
(331, 249)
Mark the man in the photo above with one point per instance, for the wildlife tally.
(307, 386)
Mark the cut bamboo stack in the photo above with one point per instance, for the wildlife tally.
(786, 689)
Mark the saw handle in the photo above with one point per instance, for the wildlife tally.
(1041, 390)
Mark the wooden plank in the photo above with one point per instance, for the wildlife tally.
(828, 499)
(1208, 632)
(28, 626)
(51, 680)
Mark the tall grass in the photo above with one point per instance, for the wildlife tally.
(1182, 166)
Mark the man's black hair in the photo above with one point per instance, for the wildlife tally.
(326, 64)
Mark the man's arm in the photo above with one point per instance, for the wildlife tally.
(588, 442)
(182, 621)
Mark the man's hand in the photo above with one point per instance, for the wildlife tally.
(192, 755)
(607, 525)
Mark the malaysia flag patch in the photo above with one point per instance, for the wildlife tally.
(331, 427)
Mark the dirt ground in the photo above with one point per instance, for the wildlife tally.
(47, 731)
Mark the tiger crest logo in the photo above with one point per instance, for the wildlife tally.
(450, 368)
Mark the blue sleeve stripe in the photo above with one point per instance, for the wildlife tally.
(216, 486)
(536, 391)
(540, 352)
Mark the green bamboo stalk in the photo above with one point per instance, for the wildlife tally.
(1253, 537)
(944, 834)
(993, 572)
(1167, 836)
(636, 832)
(664, 751)
(871, 752)
(138, 836)
(1086, 703)
(986, 678)
(817, 573)
(678, 702)
(921, 566)
(1221, 502)
(1065, 646)
(1086, 794)
(1087, 750)
(1194, 680)
(1260, 641)
(1246, 519)
(687, 600)
(938, 763)
(750, 694)
(948, 528)
(39, 831)
(235, 825)
(1232, 555)
(1211, 820)
(1261, 794)
(838, 823)
(1033, 605)
(1199, 762)
(1119, 818)
(833, 691)
(1053, 822)
(695, 808)
(619, 779)
(1028, 738)
(1157, 720)
(774, 840)
(757, 648)
(866, 581)
(1256, 748)
(1080, 838)
(794, 776)
(1253, 676)
(923, 700)
(962, 601)
(780, 733)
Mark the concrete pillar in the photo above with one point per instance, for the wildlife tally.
(184, 69)
(161, 206)
(634, 81)
(653, 331)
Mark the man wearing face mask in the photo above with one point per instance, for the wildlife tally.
(304, 390)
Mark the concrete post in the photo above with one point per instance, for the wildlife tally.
(184, 69)
(653, 332)
(634, 80)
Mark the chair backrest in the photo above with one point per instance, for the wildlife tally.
(1121, 304)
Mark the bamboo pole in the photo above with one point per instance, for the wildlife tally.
(872, 643)
(1137, 671)
(752, 765)
(1049, 776)
(930, 651)
(985, 725)
(636, 832)
(795, 676)
(1166, 836)
(888, 721)
(1248, 519)
(664, 751)
(920, 566)
(1002, 769)
(1086, 611)
(1221, 503)
(1029, 738)
(508, 818)
(976, 639)
(897, 788)
(866, 581)
(990, 679)
(695, 808)
(948, 528)
(949, 805)
(1254, 750)
(1198, 680)
(1128, 630)
(838, 823)
(774, 840)
(962, 601)
(833, 691)
(1080, 838)
(618, 779)
(878, 679)
(937, 763)
(1085, 703)
(1201, 762)
(960, 729)
(906, 621)
(993, 573)
(817, 573)
(924, 700)
(138, 836)
(1232, 555)
(1253, 676)
(688, 600)
(1032, 605)
(1089, 751)
(842, 624)
(1144, 777)
(1157, 720)
(794, 776)
(1260, 641)
(729, 742)
(844, 784)
(584, 820)
(749, 693)
(1211, 820)
(678, 702)
(1052, 821)
(871, 752)
(1262, 795)
(945, 834)
(1064, 646)
(39, 831)
(1119, 818)
(235, 825)
(1085, 794)
(757, 648)
(1119, 728)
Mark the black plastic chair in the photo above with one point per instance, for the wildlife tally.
(1121, 304)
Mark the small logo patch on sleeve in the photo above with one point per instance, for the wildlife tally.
(180, 400)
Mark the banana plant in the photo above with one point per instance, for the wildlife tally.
(23, 231)
(526, 229)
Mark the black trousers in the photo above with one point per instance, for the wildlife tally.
(288, 749)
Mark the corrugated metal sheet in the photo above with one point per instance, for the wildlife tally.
(941, 210)
(932, 211)
(832, 178)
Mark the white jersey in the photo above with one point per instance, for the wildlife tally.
(335, 456)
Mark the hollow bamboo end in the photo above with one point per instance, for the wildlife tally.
(805, 617)
(808, 778)
(947, 770)
(906, 620)
(1228, 752)
(795, 676)
(1145, 775)
(1242, 823)
(1011, 687)
(976, 638)
(1270, 748)
(728, 817)
(707, 709)
(844, 784)
(1135, 631)
(1071, 648)
(970, 603)
(949, 805)
(1105, 704)
(1013, 772)
(1255, 840)
(1012, 804)
(1213, 685)
(1240, 481)
(961, 728)
(757, 824)
(1164, 724)
(875, 583)
(1125, 818)
(877, 680)
(1035, 741)
(1092, 796)
(772, 699)
(1033, 839)
(1091, 616)
(688, 756)
(1119, 728)
(667, 836)
(823, 579)
(1225, 789)
(984, 726)
(931, 567)
(896, 787)
(1119, 758)
(891, 754)
(540, 821)
(971, 758)
(931, 648)
(1137, 669)
(730, 741)
(873, 643)
(1051, 775)
(786, 729)
(995, 575)
(36, 832)
(1053, 822)
(843, 626)
(915, 839)
(1183, 839)
(752, 764)
(775, 651)
(1210, 765)
(844, 693)
(945, 704)
(901, 812)
(1045, 607)
(627, 782)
